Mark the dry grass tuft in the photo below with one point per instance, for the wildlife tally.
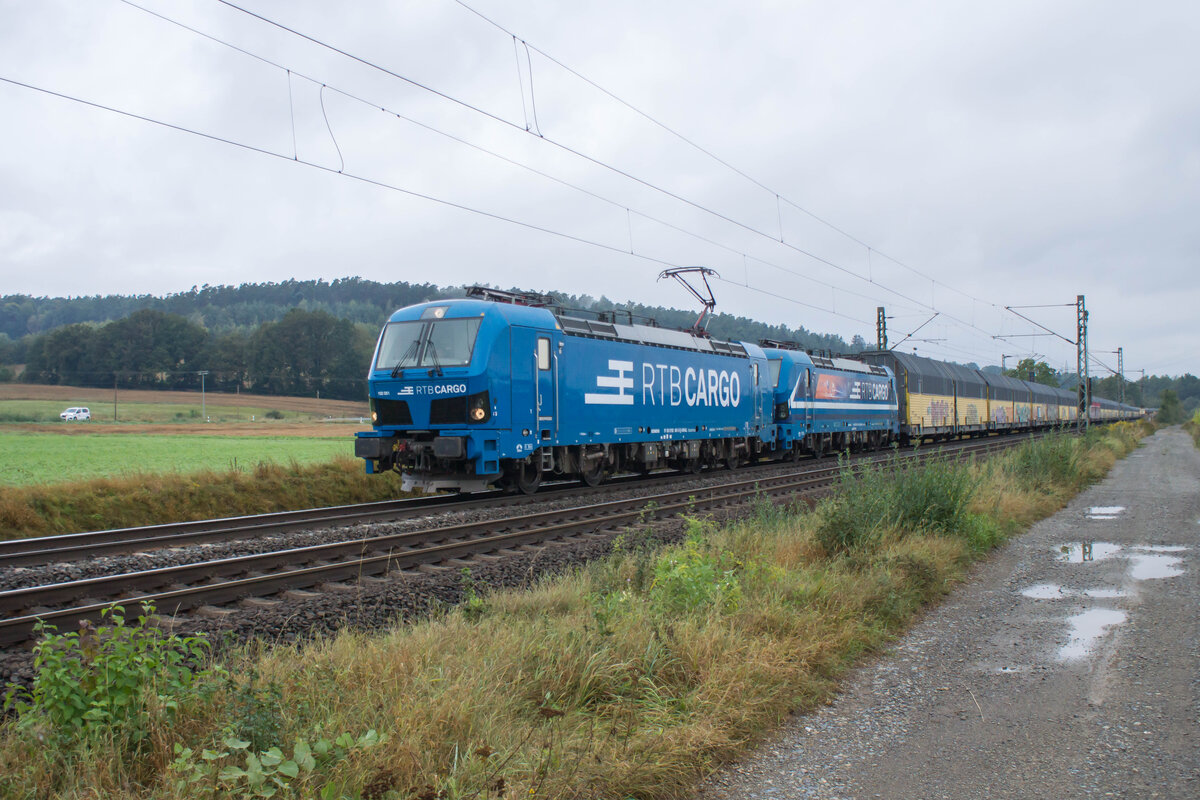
(149, 500)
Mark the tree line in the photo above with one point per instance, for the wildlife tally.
(304, 337)
(305, 353)
(294, 337)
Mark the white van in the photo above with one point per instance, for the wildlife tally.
(77, 414)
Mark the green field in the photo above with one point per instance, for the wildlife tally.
(28, 459)
(43, 411)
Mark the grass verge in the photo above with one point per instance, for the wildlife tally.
(1192, 426)
(100, 504)
(631, 678)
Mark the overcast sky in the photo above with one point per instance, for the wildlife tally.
(1016, 153)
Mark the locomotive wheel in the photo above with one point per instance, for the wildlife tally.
(818, 447)
(593, 475)
(733, 462)
(694, 466)
(527, 476)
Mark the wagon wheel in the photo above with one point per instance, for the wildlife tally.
(593, 474)
(527, 475)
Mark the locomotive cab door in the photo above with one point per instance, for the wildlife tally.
(534, 400)
(545, 365)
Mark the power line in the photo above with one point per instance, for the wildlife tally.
(610, 167)
(690, 142)
(492, 153)
(323, 168)
(379, 184)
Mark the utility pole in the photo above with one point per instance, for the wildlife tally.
(203, 407)
(880, 329)
(1081, 356)
(1121, 373)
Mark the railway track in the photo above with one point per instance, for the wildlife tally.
(186, 587)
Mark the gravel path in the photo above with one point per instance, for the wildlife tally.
(1058, 671)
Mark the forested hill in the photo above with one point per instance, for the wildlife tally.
(221, 309)
(291, 338)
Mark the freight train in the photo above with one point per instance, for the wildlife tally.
(503, 389)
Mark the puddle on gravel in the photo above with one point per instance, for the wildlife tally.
(1149, 566)
(1044, 591)
(1105, 512)
(1052, 591)
(1087, 629)
(1079, 552)
(1105, 594)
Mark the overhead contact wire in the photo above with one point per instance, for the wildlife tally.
(494, 154)
(314, 165)
(568, 149)
(690, 142)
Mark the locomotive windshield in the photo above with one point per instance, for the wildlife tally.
(774, 365)
(424, 343)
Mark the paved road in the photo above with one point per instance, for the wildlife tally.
(1060, 671)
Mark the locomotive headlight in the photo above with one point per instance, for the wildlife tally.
(374, 416)
(479, 407)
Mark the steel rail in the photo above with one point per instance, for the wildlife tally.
(117, 541)
(184, 587)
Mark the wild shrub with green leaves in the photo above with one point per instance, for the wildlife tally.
(266, 773)
(690, 577)
(931, 497)
(96, 680)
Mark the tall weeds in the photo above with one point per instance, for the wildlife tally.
(924, 497)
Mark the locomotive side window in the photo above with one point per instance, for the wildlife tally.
(773, 367)
(543, 353)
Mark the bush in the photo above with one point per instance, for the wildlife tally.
(96, 680)
(858, 510)
(274, 414)
(1049, 461)
(687, 579)
(930, 497)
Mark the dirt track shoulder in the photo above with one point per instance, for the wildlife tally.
(1051, 673)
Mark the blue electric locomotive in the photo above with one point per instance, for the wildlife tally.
(829, 404)
(501, 389)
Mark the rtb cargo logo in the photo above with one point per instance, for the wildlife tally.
(667, 385)
(445, 388)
